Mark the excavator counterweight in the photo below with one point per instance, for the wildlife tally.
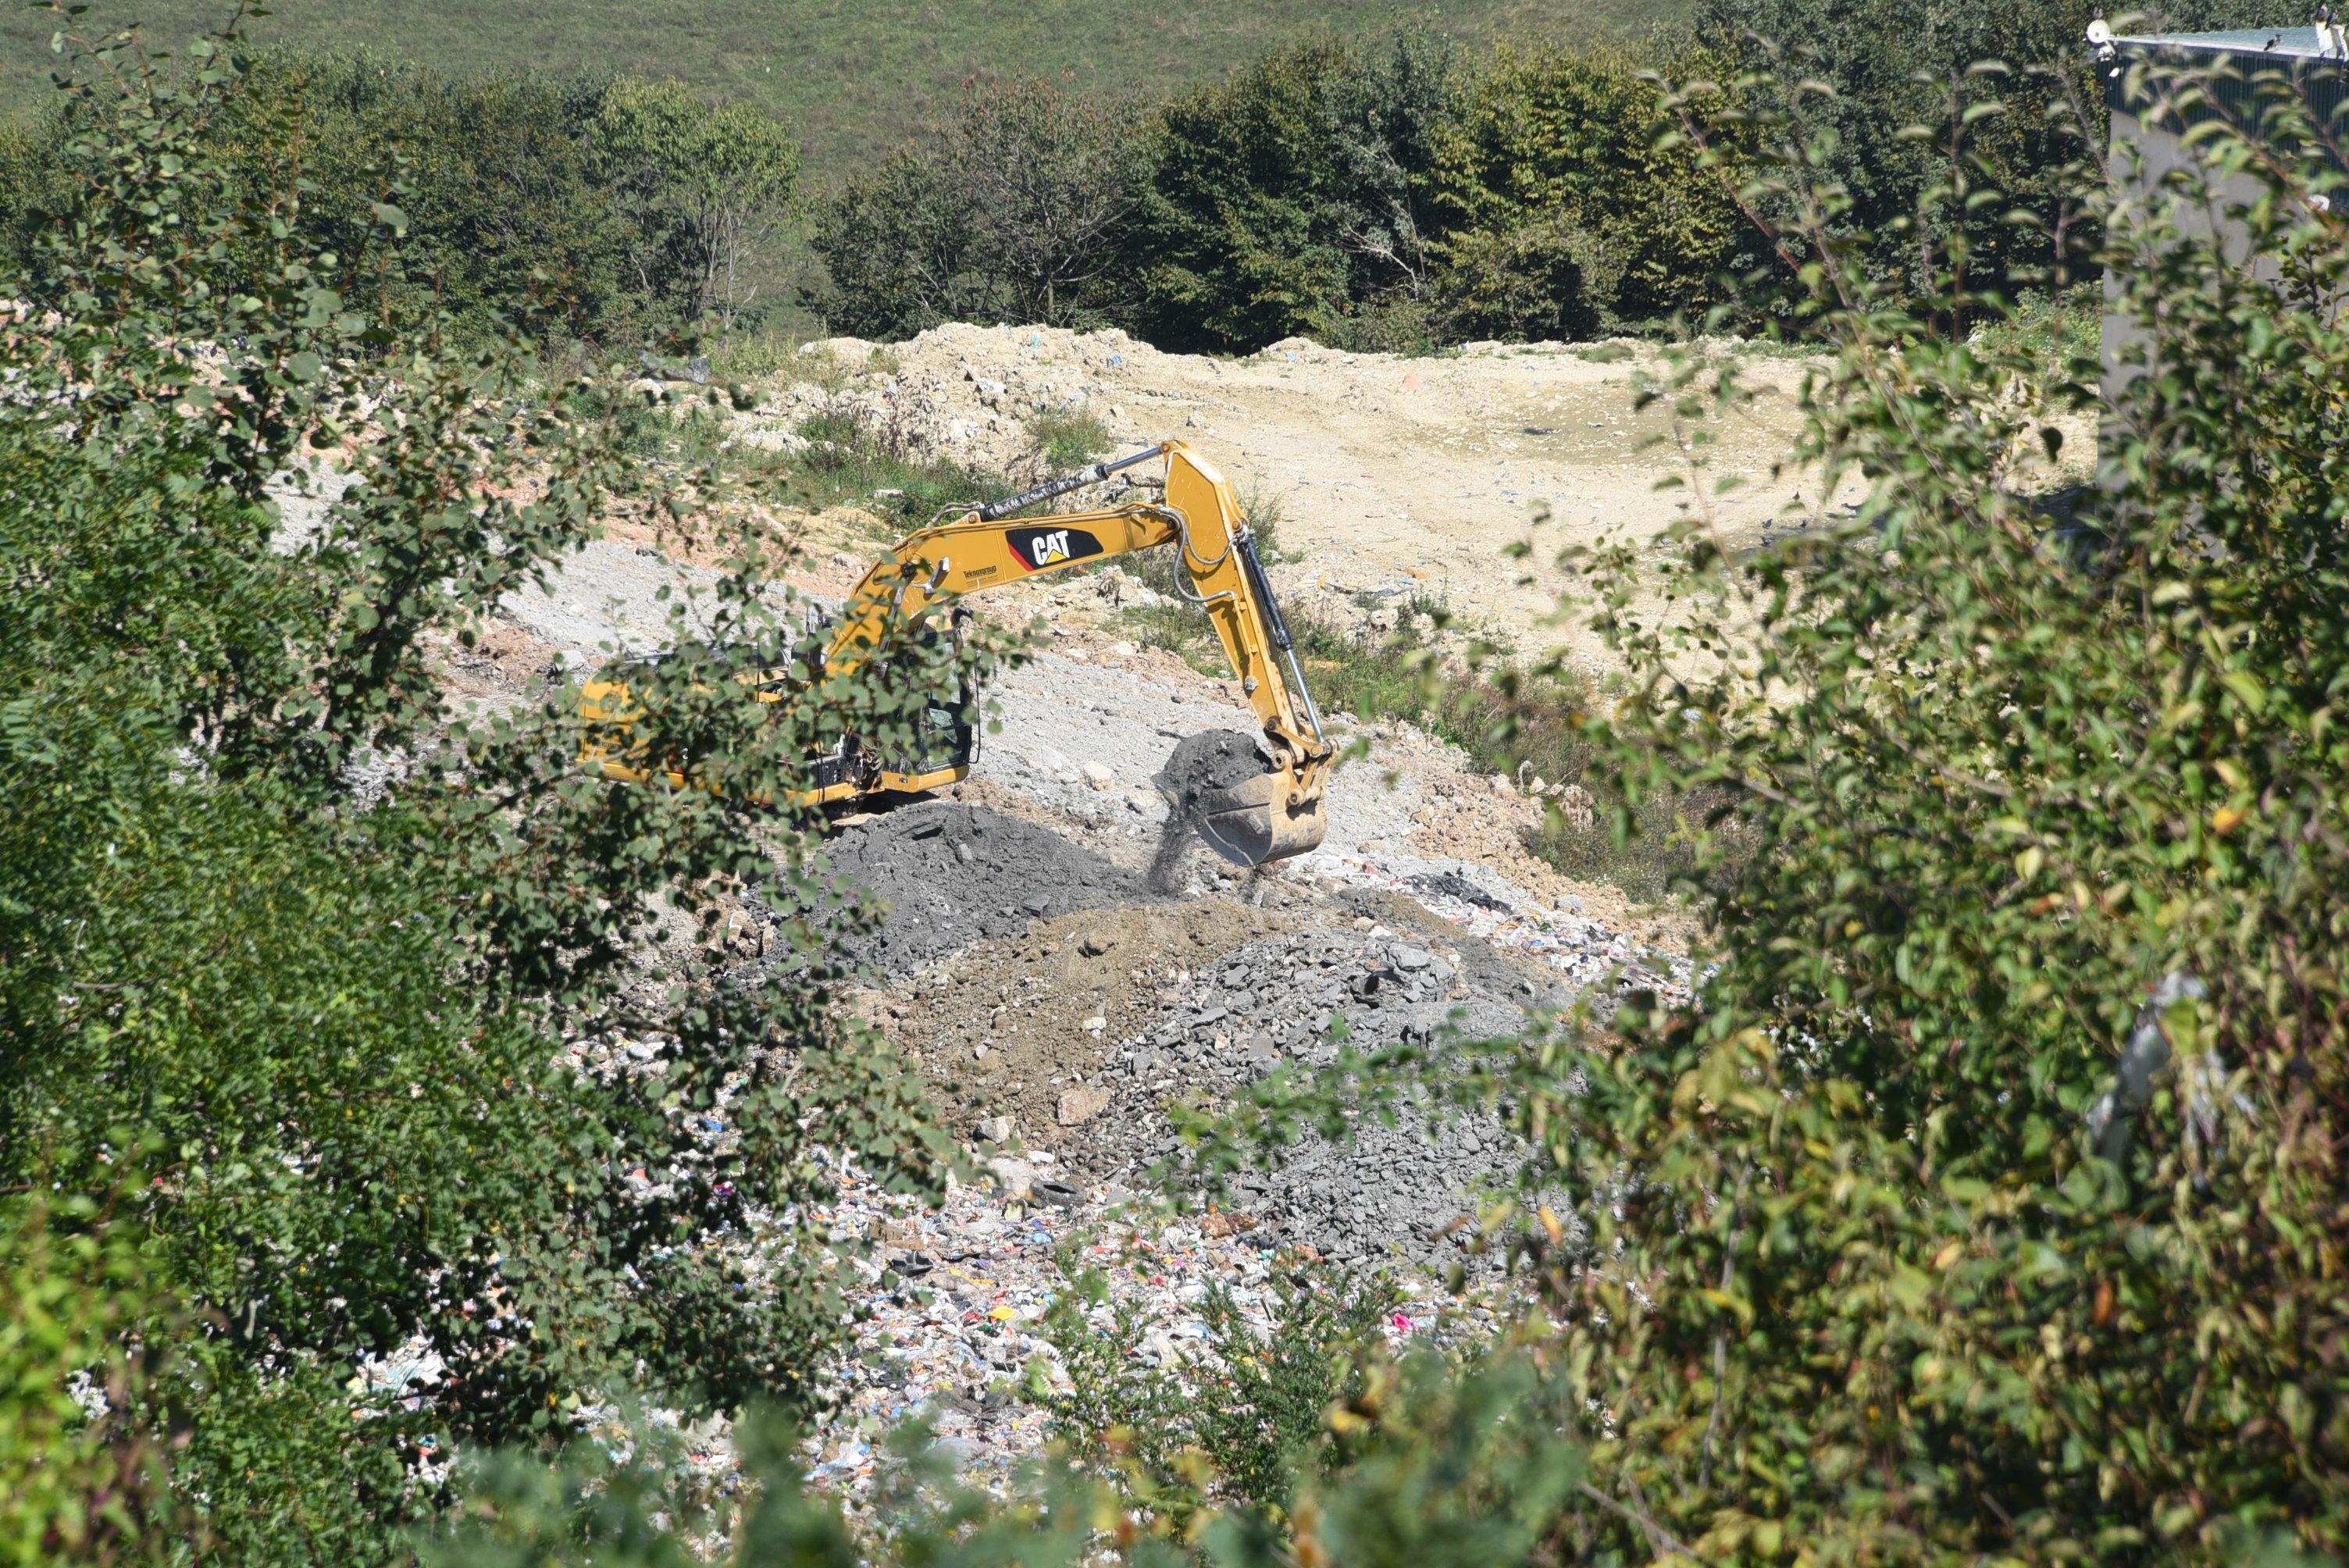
(1269, 816)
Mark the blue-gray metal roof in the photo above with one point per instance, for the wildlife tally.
(2292, 43)
(2246, 67)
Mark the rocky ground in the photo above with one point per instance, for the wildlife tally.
(1060, 1005)
(1393, 473)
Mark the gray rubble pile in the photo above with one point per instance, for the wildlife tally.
(1393, 1188)
(953, 874)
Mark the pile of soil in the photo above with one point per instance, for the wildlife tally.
(1077, 1036)
(952, 874)
(1413, 1187)
(1009, 1029)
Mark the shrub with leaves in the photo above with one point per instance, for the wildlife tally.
(1987, 1201)
(318, 939)
(1424, 1465)
(84, 1448)
(602, 208)
(1236, 1427)
(1011, 208)
(1564, 214)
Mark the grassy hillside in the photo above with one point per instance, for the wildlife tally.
(852, 74)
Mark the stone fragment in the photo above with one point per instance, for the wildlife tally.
(995, 1129)
(1098, 776)
(1056, 1194)
(1218, 1226)
(1093, 945)
(1015, 1177)
(1079, 1106)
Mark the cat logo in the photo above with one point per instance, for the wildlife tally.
(1037, 548)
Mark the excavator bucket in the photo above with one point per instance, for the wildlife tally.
(1253, 822)
(1222, 785)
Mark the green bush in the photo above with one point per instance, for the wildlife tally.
(84, 1445)
(1237, 1430)
(1392, 196)
(1421, 1465)
(849, 461)
(268, 900)
(1069, 438)
(1983, 1203)
(1280, 200)
(1877, 85)
(602, 209)
(1011, 208)
(1565, 214)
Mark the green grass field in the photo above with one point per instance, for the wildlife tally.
(852, 75)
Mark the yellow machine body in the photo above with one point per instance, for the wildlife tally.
(1270, 818)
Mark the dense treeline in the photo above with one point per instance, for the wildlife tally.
(1401, 193)
(1383, 196)
(603, 208)
(1409, 192)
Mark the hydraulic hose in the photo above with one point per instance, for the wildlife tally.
(1061, 486)
(1274, 627)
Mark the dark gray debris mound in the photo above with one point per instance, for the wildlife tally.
(1410, 1187)
(953, 874)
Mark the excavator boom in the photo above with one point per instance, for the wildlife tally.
(1271, 816)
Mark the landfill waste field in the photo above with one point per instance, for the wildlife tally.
(1065, 994)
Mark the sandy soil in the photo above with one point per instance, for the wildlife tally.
(1391, 473)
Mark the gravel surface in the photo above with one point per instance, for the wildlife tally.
(953, 874)
(1412, 1189)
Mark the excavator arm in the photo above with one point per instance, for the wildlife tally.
(1273, 816)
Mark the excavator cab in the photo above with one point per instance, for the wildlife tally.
(945, 742)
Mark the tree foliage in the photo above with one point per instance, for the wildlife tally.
(291, 948)
(1013, 208)
(700, 188)
(1567, 214)
(1985, 1202)
(606, 209)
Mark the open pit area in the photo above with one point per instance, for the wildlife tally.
(1061, 1000)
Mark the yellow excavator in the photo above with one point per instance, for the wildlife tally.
(1268, 817)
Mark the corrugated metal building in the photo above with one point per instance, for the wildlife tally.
(2245, 73)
